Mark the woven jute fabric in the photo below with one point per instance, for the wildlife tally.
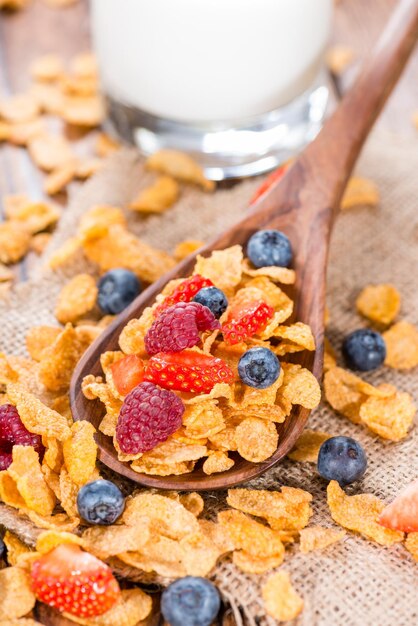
(355, 582)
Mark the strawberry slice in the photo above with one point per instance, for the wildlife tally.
(187, 371)
(402, 513)
(185, 292)
(127, 373)
(246, 320)
(274, 176)
(74, 581)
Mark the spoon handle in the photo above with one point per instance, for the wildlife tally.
(334, 152)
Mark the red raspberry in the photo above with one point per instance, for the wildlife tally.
(188, 371)
(13, 432)
(178, 327)
(185, 292)
(148, 416)
(246, 320)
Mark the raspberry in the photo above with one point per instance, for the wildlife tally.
(148, 416)
(13, 432)
(178, 327)
(246, 320)
(184, 292)
(188, 371)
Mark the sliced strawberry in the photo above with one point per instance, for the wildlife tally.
(246, 320)
(274, 176)
(127, 373)
(402, 513)
(74, 581)
(187, 371)
(185, 292)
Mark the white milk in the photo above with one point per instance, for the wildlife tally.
(209, 60)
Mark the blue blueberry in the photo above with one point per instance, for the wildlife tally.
(269, 247)
(214, 299)
(117, 289)
(342, 459)
(100, 502)
(190, 601)
(364, 350)
(259, 368)
(2, 549)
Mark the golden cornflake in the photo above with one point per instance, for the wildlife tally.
(274, 273)
(21, 133)
(256, 439)
(307, 446)
(217, 462)
(39, 242)
(286, 510)
(50, 152)
(15, 547)
(51, 539)
(401, 346)
(330, 357)
(26, 471)
(223, 267)
(39, 338)
(68, 493)
(300, 386)
(186, 247)
(95, 223)
(59, 360)
(80, 452)
(87, 111)
(14, 242)
(6, 274)
(379, 303)
(76, 299)
(180, 166)
(294, 338)
(84, 65)
(47, 68)
(58, 522)
(158, 197)
(88, 167)
(57, 181)
(9, 493)
(203, 419)
(360, 514)
(19, 108)
(53, 456)
(200, 554)
(131, 339)
(16, 598)
(318, 537)
(411, 544)
(193, 502)
(256, 565)
(249, 535)
(36, 417)
(36, 216)
(360, 192)
(338, 58)
(391, 417)
(131, 609)
(280, 599)
(65, 253)
(105, 145)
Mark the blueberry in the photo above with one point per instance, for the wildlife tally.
(364, 350)
(213, 298)
(269, 247)
(190, 601)
(342, 459)
(259, 368)
(117, 289)
(2, 549)
(100, 502)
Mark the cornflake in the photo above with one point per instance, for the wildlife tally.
(39, 242)
(15, 547)
(58, 180)
(223, 267)
(280, 599)
(80, 452)
(256, 439)
(307, 446)
(59, 360)
(17, 598)
(105, 145)
(38, 338)
(379, 303)
(360, 191)
(132, 608)
(251, 536)
(26, 472)
(80, 110)
(401, 346)
(294, 338)
(411, 544)
(360, 514)
(274, 273)
(184, 248)
(19, 108)
(300, 386)
(14, 242)
(50, 152)
(77, 299)
(180, 166)
(251, 564)
(217, 462)
(317, 538)
(47, 68)
(158, 197)
(338, 58)
(391, 417)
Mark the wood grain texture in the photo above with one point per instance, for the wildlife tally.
(303, 205)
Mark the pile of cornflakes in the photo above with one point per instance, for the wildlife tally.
(231, 417)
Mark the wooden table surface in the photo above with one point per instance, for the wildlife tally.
(40, 29)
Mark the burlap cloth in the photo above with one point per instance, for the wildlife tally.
(355, 582)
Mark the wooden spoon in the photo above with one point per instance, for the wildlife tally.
(303, 205)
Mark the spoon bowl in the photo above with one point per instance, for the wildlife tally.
(303, 205)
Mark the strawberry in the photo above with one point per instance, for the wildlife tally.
(184, 292)
(274, 176)
(74, 581)
(127, 373)
(402, 513)
(245, 320)
(187, 371)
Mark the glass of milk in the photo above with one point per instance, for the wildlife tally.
(236, 83)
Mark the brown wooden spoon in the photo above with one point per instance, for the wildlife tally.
(303, 205)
